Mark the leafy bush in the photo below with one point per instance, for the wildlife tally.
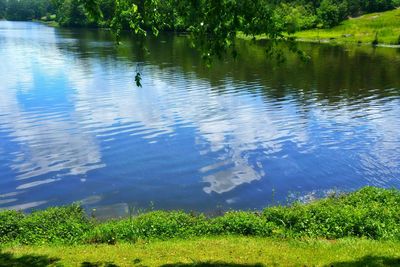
(330, 13)
(370, 212)
(241, 223)
(9, 225)
(153, 225)
(177, 224)
(296, 17)
(61, 224)
(65, 224)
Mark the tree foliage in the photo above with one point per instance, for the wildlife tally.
(330, 13)
(25, 9)
(71, 13)
(3, 6)
(216, 17)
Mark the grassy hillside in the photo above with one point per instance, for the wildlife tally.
(211, 251)
(364, 29)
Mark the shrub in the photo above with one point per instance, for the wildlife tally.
(330, 13)
(296, 17)
(370, 212)
(9, 225)
(53, 225)
(241, 223)
(153, 225)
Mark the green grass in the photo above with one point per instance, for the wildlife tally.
(364, 29)
(211, 251)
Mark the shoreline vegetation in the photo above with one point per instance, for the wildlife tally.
(378, 29)
(350, 32)
(370, 212)
(342, 227)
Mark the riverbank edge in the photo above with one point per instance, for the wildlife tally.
(332, 42)
(369, 212)
(336, 43)
(343, 229)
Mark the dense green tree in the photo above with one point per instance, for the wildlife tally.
(297, 17)
(25, 9)
(19, 10)
(377, 5)
(3, 6)
(71, 13)
(331, 12)
(107, 8)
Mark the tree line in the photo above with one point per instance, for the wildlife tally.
(25, 9)
(172, 14)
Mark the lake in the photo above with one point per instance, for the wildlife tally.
(243, 134)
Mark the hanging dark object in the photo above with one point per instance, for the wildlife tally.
(138, 79)
(138, 76)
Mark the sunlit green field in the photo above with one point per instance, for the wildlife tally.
(384, 26)
(211, 251)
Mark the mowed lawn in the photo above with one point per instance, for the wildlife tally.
(211, 251)
(384, 26)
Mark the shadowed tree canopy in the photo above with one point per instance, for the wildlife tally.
(213, 24)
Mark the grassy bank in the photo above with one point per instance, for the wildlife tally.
(355, 228)
(384, 27)
(370, 212)
(211, 251)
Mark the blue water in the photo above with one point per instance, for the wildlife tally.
(243, 134)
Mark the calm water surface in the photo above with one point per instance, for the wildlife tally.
(74, 126)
